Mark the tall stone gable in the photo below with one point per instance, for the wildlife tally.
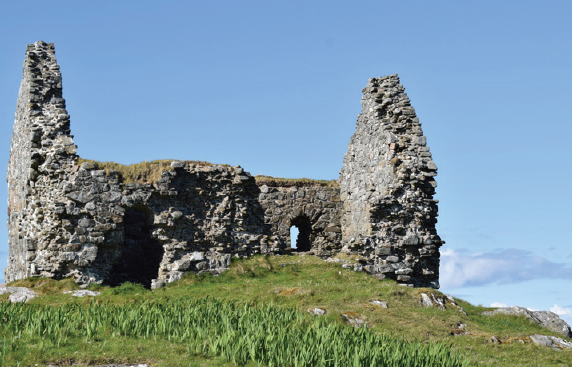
(42, 151)
(387, 186)
(67, 219)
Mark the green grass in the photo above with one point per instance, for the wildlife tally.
(240, 333)
(300, 182)
(144, 172)
(273, 294)
(149, 172)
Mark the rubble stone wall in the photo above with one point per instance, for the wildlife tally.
(387, 186)
(202, 215)
(315, 207)
(42, 151)
(68, 219)
(62, 219)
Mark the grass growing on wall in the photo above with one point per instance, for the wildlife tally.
(278, 181)
(150, 172)
(144, 172)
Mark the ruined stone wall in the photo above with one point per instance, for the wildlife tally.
(202, 215)
(75, 220)
(68, 220)
(387, 186)
(89, 226)
(58, 214)
(41, 152)
(314, 209)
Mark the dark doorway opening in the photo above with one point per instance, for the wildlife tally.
(302, 223)
(140, 254)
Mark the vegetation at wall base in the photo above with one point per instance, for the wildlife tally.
(255, 315)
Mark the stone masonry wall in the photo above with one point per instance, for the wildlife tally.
(67, 219)
(59, 215)
(41, 152)
(202, 216)
(387, 186)
(313, 209)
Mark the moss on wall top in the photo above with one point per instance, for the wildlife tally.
(143, 172)
(288, 182)
(149, 172)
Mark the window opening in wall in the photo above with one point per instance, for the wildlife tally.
(293, 237)
(303, 227)
(141, 254)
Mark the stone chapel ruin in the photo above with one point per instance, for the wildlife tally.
(72, 219)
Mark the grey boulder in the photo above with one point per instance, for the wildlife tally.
(82, 293)
(547, 319)
(551, 341)
(18, 294)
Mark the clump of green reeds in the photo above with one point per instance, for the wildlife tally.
(267, 335)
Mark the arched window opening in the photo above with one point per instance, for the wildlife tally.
(141, 254)
(303, 227)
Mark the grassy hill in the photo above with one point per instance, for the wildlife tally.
(255, 312)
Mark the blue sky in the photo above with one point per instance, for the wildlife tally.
(276, 88)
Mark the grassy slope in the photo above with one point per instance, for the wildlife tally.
(303, 282)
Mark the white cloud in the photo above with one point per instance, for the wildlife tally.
(498, 304)
(563, 312)
(503, 266)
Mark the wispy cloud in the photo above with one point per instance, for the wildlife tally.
(503, 266)
(498, 304)
(561, 310)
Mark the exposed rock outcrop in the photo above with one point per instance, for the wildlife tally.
(551, 341)
(441, 302)
(547, 319)
(18, 294)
